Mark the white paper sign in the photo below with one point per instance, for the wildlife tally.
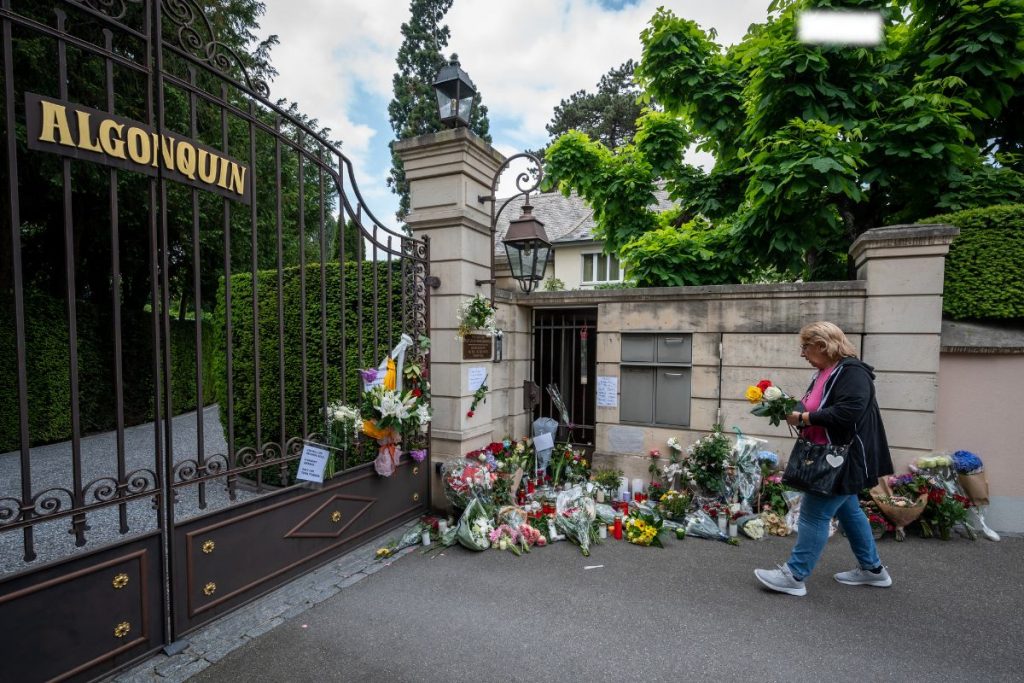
(312, 464)
(607, 392)
(477, 376)
(542, 442)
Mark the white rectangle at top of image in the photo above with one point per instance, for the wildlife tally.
(839, 27)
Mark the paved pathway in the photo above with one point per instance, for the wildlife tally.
(51, 468)
(692, 610)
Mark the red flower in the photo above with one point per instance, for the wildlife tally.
(469, 413)
(764, 384)
(936, 496)
(655, 453)
(495, 447)
(966, 502)
(416, 392)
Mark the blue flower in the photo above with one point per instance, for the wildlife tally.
(965, 461)
(769, 457)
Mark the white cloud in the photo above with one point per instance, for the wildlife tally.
(524, 55)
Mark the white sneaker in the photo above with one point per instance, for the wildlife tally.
(781, 580)
(863, 577)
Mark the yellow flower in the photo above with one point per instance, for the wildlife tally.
(754, 394)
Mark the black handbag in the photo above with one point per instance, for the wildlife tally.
(815, 467)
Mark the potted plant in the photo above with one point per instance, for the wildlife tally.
(476, 314)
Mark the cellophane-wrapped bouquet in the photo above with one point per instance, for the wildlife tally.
(465, 480)
(574, 516)
(475, 526)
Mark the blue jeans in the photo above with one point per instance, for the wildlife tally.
(816, 512)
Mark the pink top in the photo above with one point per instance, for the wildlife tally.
(812, 401)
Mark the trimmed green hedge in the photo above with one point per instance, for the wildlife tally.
(49, 374)
(247, 432)
(984, 275)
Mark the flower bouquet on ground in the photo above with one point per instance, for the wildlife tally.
(706, 460)
(775, 524)
(902, 500)
(643, 529)
(879, 524)
(700, 525)
(772, 498)
(475, 527)
(943, 512)
(752, 526)
(568, 464)
(465, 480)
(609, 480)
(574, 517)
(674, 505)
(772, 402)
(971, 475)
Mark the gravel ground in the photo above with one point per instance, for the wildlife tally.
(693, 610)
(51, 467)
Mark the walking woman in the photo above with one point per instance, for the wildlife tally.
(839, 408)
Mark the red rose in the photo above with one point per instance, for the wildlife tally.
(495, 447)
(936, 495)
(416, 392)
(764, 384)
(469, 413)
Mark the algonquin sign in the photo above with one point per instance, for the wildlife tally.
(92, 135)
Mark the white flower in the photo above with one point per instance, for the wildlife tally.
(423, 414)
(772, 394)
(347, 413)
(391, 405)
(673, 443)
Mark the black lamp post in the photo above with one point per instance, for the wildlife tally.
(526, 243)
(455, 94)
(527, 248)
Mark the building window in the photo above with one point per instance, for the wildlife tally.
(656, 371)
(600, 268)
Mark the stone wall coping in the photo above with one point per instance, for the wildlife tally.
(984, 338)
(427, 144)
(907, 235)
(783, 290)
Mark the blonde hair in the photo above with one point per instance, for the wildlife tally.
(827, 334)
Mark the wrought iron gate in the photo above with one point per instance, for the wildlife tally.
(565, 356)
(172, 238)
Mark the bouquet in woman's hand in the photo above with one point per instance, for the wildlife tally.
(772, 402)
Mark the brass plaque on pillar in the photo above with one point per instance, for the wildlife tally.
(477, 347)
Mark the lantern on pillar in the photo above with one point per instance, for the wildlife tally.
(455, 94)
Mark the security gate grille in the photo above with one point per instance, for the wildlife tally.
(565, 357)
(189, 278)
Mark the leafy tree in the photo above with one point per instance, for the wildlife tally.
(813, 144)
(413, 110)
(607, 116)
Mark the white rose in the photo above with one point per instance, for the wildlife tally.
(772, 394)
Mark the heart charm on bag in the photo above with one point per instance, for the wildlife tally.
(834, 460)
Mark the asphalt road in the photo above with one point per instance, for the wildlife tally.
(693, 610)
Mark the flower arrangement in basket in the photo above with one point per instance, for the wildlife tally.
(772, 402)
(476, 314)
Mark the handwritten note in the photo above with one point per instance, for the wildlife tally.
(543, 442)
(607, 392)
(477, 376)
(312, 464)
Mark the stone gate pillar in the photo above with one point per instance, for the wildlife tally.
(904, 266)
(447, 173)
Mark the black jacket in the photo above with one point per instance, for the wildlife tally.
(850, 415)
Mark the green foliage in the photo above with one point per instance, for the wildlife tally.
(553, 284)
(351, 319)
(49, 375)
(814, 144)
(691, 254)
(607, 116)
(413, 110)
(984, 278)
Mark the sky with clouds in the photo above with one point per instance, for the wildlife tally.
(336, 59)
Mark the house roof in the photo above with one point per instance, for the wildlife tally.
(566, 219)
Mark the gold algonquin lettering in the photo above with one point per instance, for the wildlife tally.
(139, 149)
(222, 179)
(237, 179)
(156, 149)
(186, 158)
(207, 166)
(167, 151)
(55, 118)
(85, 140)
(113, 146)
